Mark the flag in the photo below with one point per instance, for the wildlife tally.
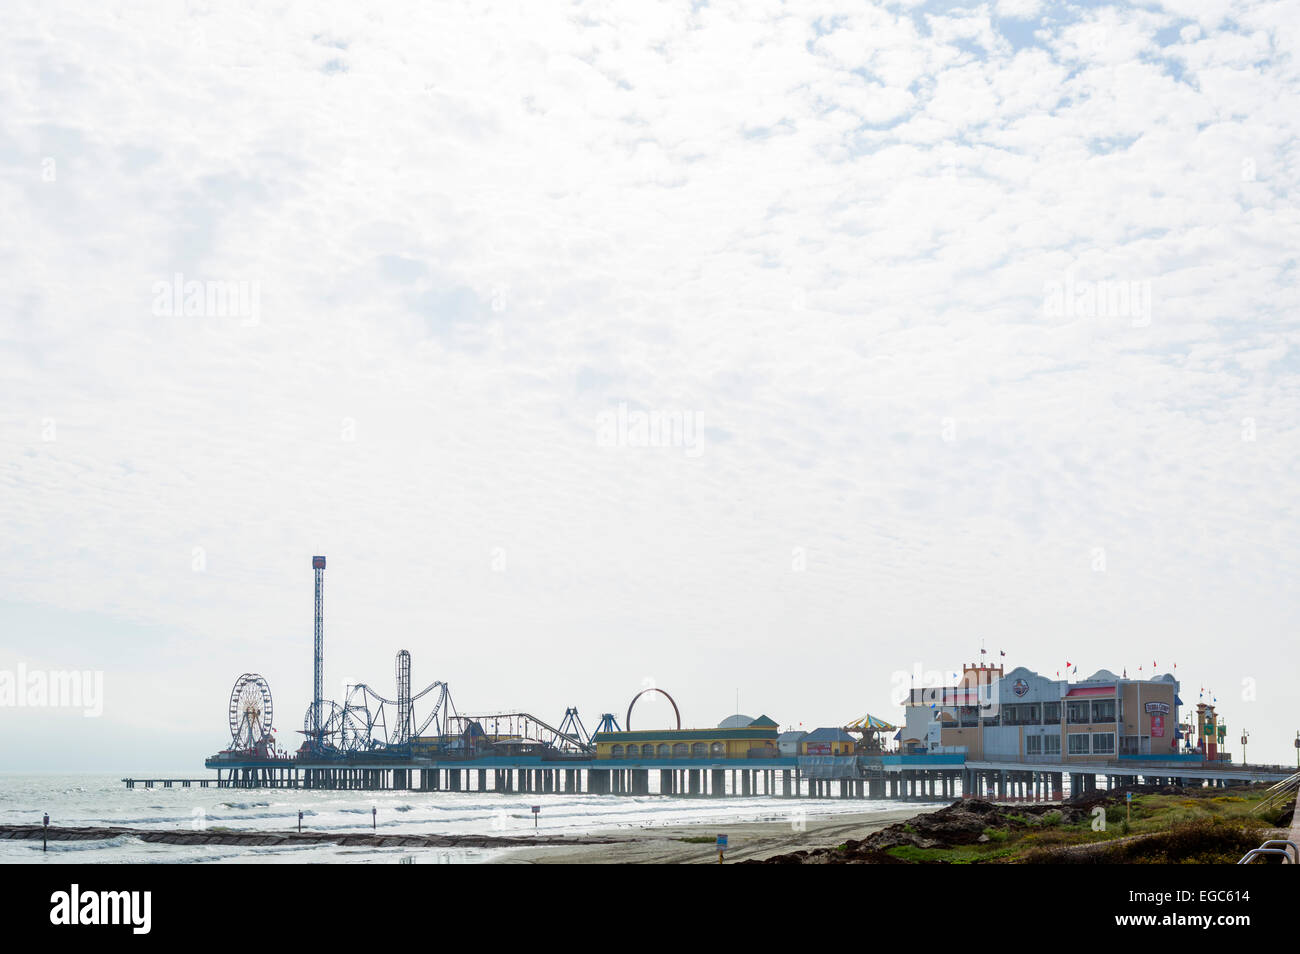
(1002, 651)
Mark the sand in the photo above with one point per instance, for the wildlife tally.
(746, 840)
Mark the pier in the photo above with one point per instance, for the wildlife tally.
(897, 777)
(1013, 736)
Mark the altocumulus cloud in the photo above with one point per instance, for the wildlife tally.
(833, 232)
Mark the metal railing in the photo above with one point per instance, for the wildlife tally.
(1278, 793)
(1268, 849)
(1084, 762)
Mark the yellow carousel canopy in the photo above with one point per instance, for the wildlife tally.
(870, 723)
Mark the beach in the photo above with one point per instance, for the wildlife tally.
(208, 825)
(747, 840)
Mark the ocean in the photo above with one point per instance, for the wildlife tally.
(84, 800)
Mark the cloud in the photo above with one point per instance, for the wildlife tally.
(829, 234)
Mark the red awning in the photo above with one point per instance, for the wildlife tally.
(1090, 691)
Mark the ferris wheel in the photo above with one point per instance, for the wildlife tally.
(251, 711)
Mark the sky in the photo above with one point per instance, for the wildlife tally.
(759, 352)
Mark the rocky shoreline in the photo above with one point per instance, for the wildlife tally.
(290, 838)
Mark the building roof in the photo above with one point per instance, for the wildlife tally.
(828, 734)
(793, 735)
(1101, 675)
(763, 722)
(756, 734)
(737, 721)
(1077, 691)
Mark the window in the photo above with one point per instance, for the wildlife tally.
(681, 750)
(1103, 743)
(1103, 710)
(969, 716)
(616, 751)
(1077, 713)
(718, 750)
(1033, 745)
(664, 751)
(1078, 743)
(1051, 745)
(1052, 714)
(700, 750)
(1026, 713)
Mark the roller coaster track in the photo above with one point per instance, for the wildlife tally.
(401, 734)
(524, 720)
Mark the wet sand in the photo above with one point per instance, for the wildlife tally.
(226, 836)
(746, 840)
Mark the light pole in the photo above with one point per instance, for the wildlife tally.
(1244, 736)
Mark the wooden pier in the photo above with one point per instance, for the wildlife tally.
(172, 782)
(905, 778)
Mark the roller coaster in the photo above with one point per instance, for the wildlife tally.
(373, 725)
(368, 724)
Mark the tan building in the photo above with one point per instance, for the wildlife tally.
(990, 714)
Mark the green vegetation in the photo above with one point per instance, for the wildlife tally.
(1187, 827)
(962, 855)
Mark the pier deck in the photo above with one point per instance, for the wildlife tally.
(906, 777)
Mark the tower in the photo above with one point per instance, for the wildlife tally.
(402, 669)
(318, 686)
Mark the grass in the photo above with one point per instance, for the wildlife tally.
(1208, 840)
(1184, 828)
(961, 855)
